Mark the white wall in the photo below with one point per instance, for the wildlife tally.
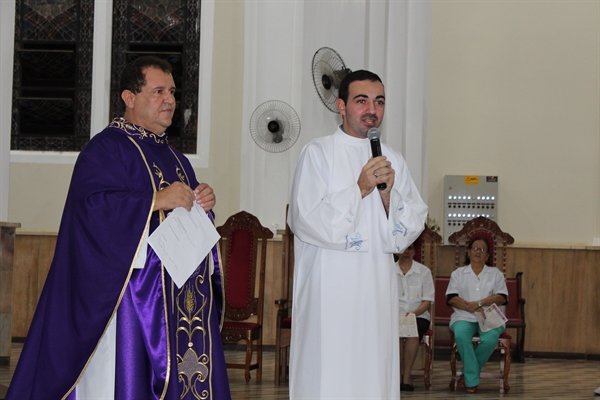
(514, 93)
(388, 37)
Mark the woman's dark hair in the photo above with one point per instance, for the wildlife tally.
(473, 240)
(360, 75)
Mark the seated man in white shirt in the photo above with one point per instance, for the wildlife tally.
(415, 294)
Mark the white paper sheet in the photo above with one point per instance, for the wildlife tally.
(408, 325)
(493, 318)
(183, 240)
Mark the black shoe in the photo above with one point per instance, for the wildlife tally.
(406, 387)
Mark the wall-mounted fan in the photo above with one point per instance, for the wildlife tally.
(274, 126)
(328, 70)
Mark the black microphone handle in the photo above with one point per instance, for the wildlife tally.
(376, 150)
(375, 147)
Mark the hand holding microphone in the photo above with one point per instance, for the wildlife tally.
(373, 134)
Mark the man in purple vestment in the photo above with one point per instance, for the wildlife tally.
(110, 322)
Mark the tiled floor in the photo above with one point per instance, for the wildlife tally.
(535, 379)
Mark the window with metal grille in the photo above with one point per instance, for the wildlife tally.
(52, 74)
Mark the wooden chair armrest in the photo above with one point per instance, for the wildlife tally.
(284, 304)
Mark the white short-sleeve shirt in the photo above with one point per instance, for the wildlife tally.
(471, 287)
(415, 287)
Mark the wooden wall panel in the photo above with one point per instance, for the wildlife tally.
(7, 250)
(592, 302)
(561, 291)
(560, 286)
(33, 256)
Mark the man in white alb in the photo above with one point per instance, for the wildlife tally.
(345, 312)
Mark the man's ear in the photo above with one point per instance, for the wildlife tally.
(128, 98)
(341, 106)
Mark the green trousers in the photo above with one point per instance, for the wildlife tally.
(474, 359)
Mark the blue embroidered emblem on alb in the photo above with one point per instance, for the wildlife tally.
(399, 228)
(355, 242)
(350, 219)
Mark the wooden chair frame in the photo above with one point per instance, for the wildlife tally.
(490, 229)
(503, 347)
(236, 326)
(284, 312)
(428, 239)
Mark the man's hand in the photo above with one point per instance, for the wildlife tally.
(179, 194)
(175, 195)
(376, 170)
(205, 197)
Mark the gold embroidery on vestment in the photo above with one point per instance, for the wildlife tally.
(162, 183)
(179, 174)
(136, 131)
(193, 369)
(193, 366)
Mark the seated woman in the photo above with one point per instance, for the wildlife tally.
(415, 295)
(472, 288)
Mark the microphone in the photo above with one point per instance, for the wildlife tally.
(373, 134)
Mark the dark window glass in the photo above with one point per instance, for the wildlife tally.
(52, 75)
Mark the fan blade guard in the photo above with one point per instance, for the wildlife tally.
(274, 126)
(328, 71)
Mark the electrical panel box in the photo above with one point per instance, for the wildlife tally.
(467, 197)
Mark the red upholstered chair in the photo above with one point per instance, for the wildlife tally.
(240, 237)
(425, 253)
(283, 331)
(443, 311)
(498, 240)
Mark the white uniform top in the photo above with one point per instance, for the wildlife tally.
(345, 332)
(471, 287)
(414, 288)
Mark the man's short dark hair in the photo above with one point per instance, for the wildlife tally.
(360, 75)
(133, 77)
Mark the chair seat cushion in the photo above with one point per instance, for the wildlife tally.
(243, 326)
(286, 323)
(428, 332)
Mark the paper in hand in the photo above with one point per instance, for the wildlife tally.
(407, 325)
(493, 318)
(183, 240)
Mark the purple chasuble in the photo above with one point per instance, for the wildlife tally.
(168, 338)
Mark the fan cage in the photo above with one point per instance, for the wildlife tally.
(327, 62)
(283, 113)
